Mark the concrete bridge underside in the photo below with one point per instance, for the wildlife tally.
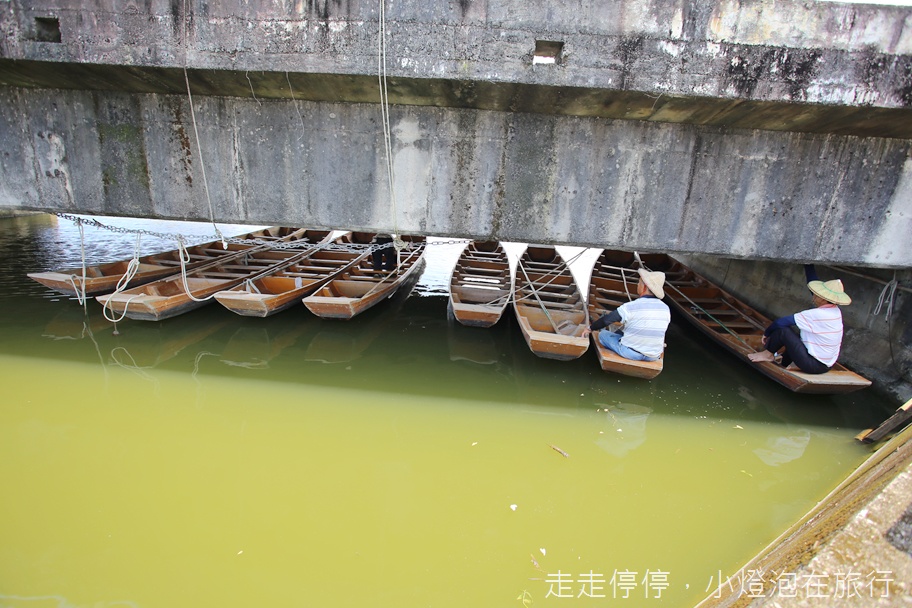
(769, 130)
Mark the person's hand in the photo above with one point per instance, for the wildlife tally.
(586, 332)
(764, 340)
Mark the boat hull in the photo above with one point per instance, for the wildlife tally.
(286, 287)
(610, 286)
(610, 361)
(360, 287)
(173, 296)
(104, 278)
(475, 315)
(150, 307)
(738, 328)
(550, 345)
(261, 305)
(548, 305)
(480, 284)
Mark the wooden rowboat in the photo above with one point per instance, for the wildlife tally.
(360, 287)
(269, 293)
(103, 278)
(481, 284)
(612, 283)
(739, 328)
(549, 305)
(177, 294)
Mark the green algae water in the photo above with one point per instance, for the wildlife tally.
(397, 459)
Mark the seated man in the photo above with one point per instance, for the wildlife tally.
(645, 321)
(815, 346)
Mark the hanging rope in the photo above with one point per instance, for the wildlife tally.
(887, 297)
(398, 243)
(295, 103)
(132, 267)
(199, 148)
(81, 291)
(184, 257)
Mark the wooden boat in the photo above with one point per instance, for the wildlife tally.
(612, 283)
(104, 278)
(549, 305)
(360, 287)
(739, 328)
(269, 293)
(481, 284)
(178, 294)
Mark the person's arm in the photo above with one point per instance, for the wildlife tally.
(606, 320)
(810, 273)
(780, 322)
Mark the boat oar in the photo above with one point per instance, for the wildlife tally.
(703, 310)
(540, 303)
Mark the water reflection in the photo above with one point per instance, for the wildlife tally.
(783, 449)
(626, 429)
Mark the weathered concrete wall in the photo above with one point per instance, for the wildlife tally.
(769, 64)
(770, 129)
(467, 173)
(879, 346)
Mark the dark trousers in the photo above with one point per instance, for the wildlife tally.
(384, 259)
(795, 351)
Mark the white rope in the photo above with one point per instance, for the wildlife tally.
(298, 110)
(132, 267)
(888, 297)
(184, 257)
(252, 92)
(81, 293)
(387, 130)
(199, 148)
(122, 284)
(104, 311)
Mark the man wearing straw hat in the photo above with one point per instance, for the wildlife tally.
(815, 347)
(645, 321)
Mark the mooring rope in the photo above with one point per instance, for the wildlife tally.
(387, 129)
(81, 293)
(887, 297)
(199, 147)
(184, 256)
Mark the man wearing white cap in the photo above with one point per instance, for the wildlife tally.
(644, 320)
(815, 348)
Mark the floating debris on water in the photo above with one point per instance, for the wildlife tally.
(560, 451)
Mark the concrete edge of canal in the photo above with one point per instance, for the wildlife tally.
(844, 552)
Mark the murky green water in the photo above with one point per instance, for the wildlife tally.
(398, 459)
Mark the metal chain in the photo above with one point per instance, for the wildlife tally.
(370, 248)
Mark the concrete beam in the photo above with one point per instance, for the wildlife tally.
(770, 64)
(464, 173)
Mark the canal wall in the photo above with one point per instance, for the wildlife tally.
(878, 333)
(772, 130)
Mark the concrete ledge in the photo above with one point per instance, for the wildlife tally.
(673, 107)
(842, 536)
